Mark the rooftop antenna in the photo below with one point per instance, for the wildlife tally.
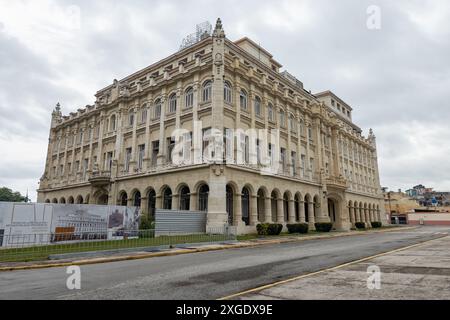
(203, 30)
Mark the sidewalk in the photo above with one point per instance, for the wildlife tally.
(143, 253)
(421, 272)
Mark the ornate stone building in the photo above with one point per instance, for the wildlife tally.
(121, 149)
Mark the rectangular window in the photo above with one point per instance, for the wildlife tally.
(141, 154)
(258, 107)
(247, 149)
(229, 145)
(258, 151)
(155, 152)
(158, 111)
(131, 119)
(77, 166)
(170, 147)
(108, 159)
(173, 105)
(128, 152)
(85, 167)
(61, 170)
(294, 163)
(144, 115)
(187, 145)
(206, 136)
(303, 165)
(283, 159)
(271, 118)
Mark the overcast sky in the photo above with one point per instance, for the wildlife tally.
(397, 78)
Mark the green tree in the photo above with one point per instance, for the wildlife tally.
(8, 195)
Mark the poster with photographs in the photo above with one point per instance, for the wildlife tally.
(29, 224)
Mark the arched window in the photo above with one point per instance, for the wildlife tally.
(167, 199)
(271, 113)
(151, 203)
(243, 100)
(207, 91)
(227, 92)
(286, 207)
(112, 123)
(173, 103)
(245, 206)
(157, 113)
(124, 199)
(137, 199)
(79, 200)
(185, 198)
(189, 98)
(258, 106)
(203, 198)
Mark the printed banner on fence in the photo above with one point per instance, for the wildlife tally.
(21, 223)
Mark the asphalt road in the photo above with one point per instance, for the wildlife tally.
(208, 275)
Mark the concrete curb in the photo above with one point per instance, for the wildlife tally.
(243, 244)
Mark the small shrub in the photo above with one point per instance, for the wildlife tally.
(360, 225)
(274, 229)
(280, 228)
(292, 228)
(323, 226)
(262, 229)
(146, 223)
(298, 228)
(376, 224)
(303, 228)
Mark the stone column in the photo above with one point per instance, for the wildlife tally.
(237, 219)
(148, 143)
(144, 205)
(175, 201)
(217, 211)
(292, 211)
(280, 210)
(193, 202)
(134, 142)
(162, 143)
(302, 212)
(253, 210)
(158, 201)
(268, 210)
(352, 216)
(311, 218)
(100, 142)
(366, 213)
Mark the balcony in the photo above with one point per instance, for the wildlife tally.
(100, 178)
(337, 182)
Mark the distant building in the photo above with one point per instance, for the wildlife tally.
(83, 222)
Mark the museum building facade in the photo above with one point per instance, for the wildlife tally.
(217, 127)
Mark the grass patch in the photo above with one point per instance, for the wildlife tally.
(40, 253)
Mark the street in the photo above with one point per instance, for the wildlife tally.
(208, 275)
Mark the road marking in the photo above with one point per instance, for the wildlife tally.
(271, 285)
